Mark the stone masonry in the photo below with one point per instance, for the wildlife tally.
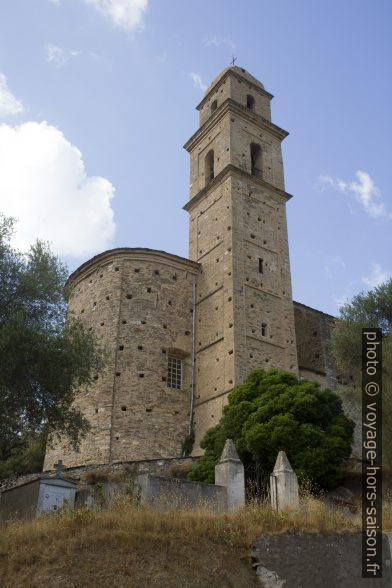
(139, 303)
(238, 234)
(214, 317)
(313, 330)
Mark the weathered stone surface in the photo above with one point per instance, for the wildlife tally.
(284, 485)
(229, 472)
(313, 330)
(168, 493)
(139, 303)
(229, 452)
(282, 463)
(238, 233)
(320, 560)
(167, 468)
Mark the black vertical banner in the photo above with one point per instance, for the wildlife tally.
(371, 453)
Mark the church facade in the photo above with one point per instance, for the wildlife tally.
(181, 333)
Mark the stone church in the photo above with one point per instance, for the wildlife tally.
(181, 333)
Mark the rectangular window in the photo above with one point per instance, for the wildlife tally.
(263, 329)
(261, 265)
(174, 373)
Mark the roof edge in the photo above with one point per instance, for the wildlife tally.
(295, 302)
(109, 253)
(237, 73)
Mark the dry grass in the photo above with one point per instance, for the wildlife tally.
(133, 546)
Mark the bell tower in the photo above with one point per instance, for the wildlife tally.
(238, 233)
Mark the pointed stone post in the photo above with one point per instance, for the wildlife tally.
(284, 485)
(230, 473)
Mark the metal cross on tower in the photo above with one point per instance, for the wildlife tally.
(233, 60)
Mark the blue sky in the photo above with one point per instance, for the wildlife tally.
(97, 98)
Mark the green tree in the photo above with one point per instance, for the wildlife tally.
(273, 411)
(26, 457)
(44, 357)
(371, 309)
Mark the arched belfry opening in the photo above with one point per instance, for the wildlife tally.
(214, 106)
(250, 102)
(209, 171)
(255, 160)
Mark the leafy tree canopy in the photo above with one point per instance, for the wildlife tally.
(44, 358)
(371, 309)
(27, 456)
(273, 411)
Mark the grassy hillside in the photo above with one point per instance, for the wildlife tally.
(134, 546)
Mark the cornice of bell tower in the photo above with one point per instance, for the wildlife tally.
(230, 105)
(280, 196)
(241, 75)
(240, 86)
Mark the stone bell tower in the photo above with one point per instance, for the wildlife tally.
(238, 233)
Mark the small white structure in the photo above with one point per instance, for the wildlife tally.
(38, 495)
(55, 494)
(284, 485)
(230, 473)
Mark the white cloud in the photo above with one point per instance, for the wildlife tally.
(43, 183)
(376, 277)
(124, 14)
(197, 80)
(215, 41)
(60, 56)
(364, 190)
(9, 105)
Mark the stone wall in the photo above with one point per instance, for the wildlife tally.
(313, 330)
(168, 493)
(139, 303)
(228, 492)
(176, 467)
(320, 560)
(21, 502)
(167, 468)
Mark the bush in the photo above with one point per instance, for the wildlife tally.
(273, 411)
(204, 470)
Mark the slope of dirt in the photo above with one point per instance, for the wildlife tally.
(123, 548)
(128, 545)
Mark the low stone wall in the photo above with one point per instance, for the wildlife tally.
(176, 467)
(167, 493)
(168, 467)
(11, 482)
(156, 491)
(160, 483)
(320, 560)
(163, 493)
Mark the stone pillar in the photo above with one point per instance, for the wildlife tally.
(284, 485)
(230, 473)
